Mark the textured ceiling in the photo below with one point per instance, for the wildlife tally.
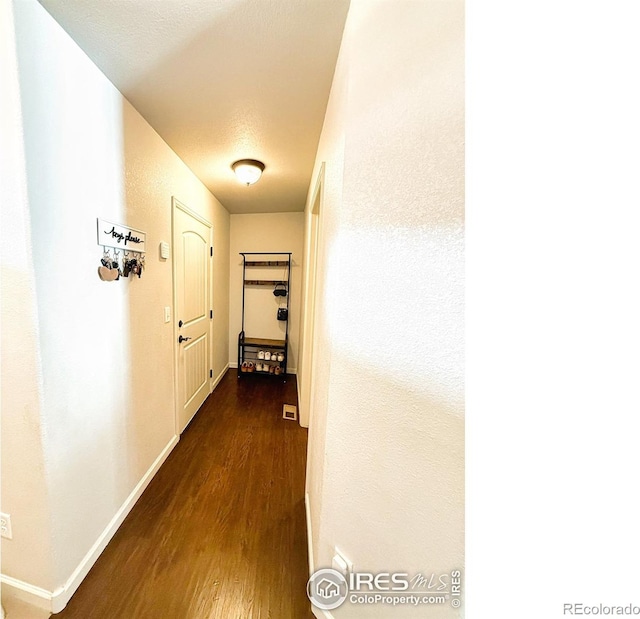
(222, 80)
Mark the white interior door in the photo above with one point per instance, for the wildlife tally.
(192, 318)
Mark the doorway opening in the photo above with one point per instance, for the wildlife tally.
(310, 313)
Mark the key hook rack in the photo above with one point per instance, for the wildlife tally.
(128, 246)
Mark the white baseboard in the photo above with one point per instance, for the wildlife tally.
(307, 509)
(219, 377)
(317, 612)
(12, 588)
(306, 424)
(62, 595)
(55, 601)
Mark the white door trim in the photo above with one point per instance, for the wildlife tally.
(309, 334)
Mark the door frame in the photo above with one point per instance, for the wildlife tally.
(309, 328)
(177, 205)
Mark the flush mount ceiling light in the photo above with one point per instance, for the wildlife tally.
(248, 171)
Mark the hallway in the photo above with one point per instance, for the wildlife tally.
(220, 531)
(124, 114)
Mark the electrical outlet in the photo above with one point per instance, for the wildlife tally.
(5, 526)
(341, 563)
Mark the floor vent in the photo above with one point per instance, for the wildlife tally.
(289, 412)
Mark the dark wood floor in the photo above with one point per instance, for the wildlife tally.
(220, 531)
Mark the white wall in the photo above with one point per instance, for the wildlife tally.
(265, 232)
(386, 451)
(24, 489)
(106, 413)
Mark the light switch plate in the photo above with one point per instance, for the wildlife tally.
(164, 250)
(167, 314)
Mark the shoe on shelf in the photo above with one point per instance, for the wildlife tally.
(245, 367)
(258, 367)
(278, 370)
(251, 367)
(261, 354)
(272, 369)
(267, 355)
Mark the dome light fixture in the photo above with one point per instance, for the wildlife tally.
(248, 171)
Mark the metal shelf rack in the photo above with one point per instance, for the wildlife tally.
(249, 347)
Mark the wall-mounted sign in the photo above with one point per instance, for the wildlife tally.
(122, 237)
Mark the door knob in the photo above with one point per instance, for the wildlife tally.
(183, 339)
